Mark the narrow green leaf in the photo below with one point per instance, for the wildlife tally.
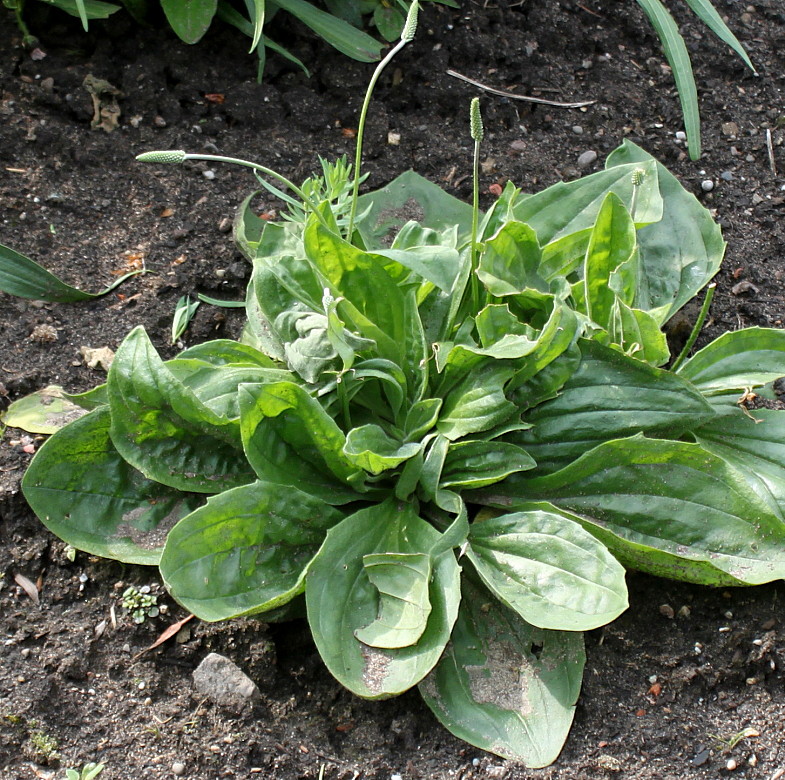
(709, 16)
(505, 686)
(347, 39)
(44, 411)
(548, 569)
(93, 9)
(87, 494)
(183, 314)
(609, 396)
(737, 360)
(341, 600)
(245, 551)
(612, 243)
(162, 428)
(667, 508)
(402, 580)
(24, 278)
(258, 23)
(679, 59)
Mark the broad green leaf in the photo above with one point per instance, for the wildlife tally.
(612, 243)
(85, 9)
(389, 22)
(709, 16)
(678, 57)
(245, 551)
(373, 450)
(638, 333)
(290, 440)
(558, 335)
(347, 39)
(505, 686)
(216, 386)
(477, 403)
(609, 396)
(667, 508)
(510, 262)
(189, 19)
(548, 381)
(754, 442)
(24, 278)
(374, 304)
(411, 197)
(476, 464)
(88, 495)
(222, 352)
(402, 580)
(341, 600)
(44, 411)
(437, 264)
(564, 255)
(737, 360)
(162, 428)
(568, 207)
(421, 417)
(549, 570)
(680, 253)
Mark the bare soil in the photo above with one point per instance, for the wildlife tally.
(669, 686)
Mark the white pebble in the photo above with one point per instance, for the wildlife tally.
(653, 679)
(586, 159)
(178, 768)
(208, 174)
(681, 135)
(396, 777)
(707, 185)
(475, 762)
(731, 764)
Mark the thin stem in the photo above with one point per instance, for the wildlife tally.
(696, 328)
(268, 172)
(475, 224)
(361, 131)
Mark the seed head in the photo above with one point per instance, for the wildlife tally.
(410, 26)
(173, 157)
(475, 119)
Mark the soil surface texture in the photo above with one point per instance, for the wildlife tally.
(688, 683)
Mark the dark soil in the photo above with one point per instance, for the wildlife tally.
(74, 199)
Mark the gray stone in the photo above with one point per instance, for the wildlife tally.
(707, 185)
(224, 683)
(587, 158)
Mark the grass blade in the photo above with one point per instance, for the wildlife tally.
(707, 13)
(676, 53)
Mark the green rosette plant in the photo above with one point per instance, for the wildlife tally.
(447, 433)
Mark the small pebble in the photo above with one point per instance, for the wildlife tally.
(178, 768)
(159, 121)
(681, 135)
(396, 777)
(577, 129)
(25, 652)
(707, 185)
(666, 610)
(653, 679)
(731, 764)
(586, 159)
(208, 174)
(475, 762)
(726, 176)
(518, 146)
(225, 225)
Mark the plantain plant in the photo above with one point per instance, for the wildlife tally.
(447, 433)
